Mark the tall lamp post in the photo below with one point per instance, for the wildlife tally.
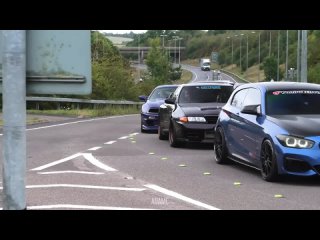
(163, 35)
(240, 50)
(278, 62)
(179, 39)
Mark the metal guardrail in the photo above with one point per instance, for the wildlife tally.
(235, 76)
(95, 103)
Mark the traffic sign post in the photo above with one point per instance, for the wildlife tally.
(37, 62)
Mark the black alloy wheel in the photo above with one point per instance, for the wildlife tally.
(220, 147)
(269, 165)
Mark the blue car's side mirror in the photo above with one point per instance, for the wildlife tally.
(143, 98)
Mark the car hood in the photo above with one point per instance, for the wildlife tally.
(196, 109)
(303, 125)
(154, 103)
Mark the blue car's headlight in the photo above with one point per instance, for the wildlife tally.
(294, 142)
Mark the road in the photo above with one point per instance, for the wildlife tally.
(106, 163)
(199, 75)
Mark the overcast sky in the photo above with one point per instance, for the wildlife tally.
(123, 31)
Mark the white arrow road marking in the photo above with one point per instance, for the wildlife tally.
(81, 172)
(97, 163)
(87, 156)
(110, 142)
(84, 186)
(57, 162)
(179, 196)
(94, 148)
(84, 207)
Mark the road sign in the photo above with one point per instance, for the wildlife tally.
(215, 57)
(58, 62)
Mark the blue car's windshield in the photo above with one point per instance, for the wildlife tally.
(296, 102)
(161, 93)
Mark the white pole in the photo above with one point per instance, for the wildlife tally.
(14, 118)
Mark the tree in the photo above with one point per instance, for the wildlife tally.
(270, 68)
(158, 63)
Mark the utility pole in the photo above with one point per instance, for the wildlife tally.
(278, 62)
(287, 54)
(14, 118)
(304, 56)
(247, 50)
(298, 56)
(259, 60)
(270, 46)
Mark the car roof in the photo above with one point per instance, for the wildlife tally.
(163, 86)
(272, 86)
(218, 82)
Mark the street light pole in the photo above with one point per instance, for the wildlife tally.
(163, 35)
(287, 53)
(259, 59)
(304, 56)
(179, 49)
(247, 50)
(270, 45)
(278, 55)
(298, 56)
(240, 50)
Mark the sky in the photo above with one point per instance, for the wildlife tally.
(123, 31)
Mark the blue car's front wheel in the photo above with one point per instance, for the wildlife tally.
(269, 167)
(220, 147)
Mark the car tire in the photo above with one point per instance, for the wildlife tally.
(161, 135)
(172, 137)
(269, 167)
(220, 147)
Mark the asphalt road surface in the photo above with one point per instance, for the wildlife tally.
(106, 163)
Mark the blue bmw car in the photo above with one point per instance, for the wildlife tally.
(273, 127)
(150, 109)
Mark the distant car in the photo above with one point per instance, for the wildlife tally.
(190, 114)
(150, 109)
(273, 127)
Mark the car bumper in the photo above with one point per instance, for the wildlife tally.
(149, 122)
(194, 132)
(299, 162)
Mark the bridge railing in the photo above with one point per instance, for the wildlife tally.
(78, 102)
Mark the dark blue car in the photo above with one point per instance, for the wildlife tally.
(273, 127)
(150, 109)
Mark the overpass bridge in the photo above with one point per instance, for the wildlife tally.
(174, 52)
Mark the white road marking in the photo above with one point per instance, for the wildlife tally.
(81, 172)
(110, 142)
(124, 137)
(133, 134)
(83, 207)
(75, 122)
(56, 162)
(181, 197)
(87, 156)
(94, 148)
(97, 163)
(84, 186)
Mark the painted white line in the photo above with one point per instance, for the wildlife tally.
(110, 142)
(84, 207)
(124, 137)
(94, 148)
(56, 162)
(133, 134)
(97, 163)
(85, 186)
(81, 172)
(179, 196)
(82, 121)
